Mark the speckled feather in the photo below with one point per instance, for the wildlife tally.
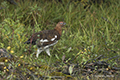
(46, 38)
(45, 34)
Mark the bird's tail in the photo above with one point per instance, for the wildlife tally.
(30, 42)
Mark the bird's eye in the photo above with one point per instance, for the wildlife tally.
(61, 23)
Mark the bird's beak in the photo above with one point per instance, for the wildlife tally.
(64, 23)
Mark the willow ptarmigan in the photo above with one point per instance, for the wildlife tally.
(46, 38)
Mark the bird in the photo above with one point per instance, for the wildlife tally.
(46, 38)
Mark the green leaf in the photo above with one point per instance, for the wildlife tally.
(71, 69)
(57, 56)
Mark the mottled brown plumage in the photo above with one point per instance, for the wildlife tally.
(46, 38)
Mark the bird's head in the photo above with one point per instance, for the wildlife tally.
(61, 24)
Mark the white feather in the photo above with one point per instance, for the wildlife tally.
(45, 40)
(38, 52)
(50, 45)
(48, 51)
(54, 38)
(46, 48)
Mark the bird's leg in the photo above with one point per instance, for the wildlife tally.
(38, 52)
(47, 51)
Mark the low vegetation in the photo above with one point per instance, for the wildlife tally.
(91, 30)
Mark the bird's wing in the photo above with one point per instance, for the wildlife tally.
(48, 37)
(44, 38)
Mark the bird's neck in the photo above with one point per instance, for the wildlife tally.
(59, 29)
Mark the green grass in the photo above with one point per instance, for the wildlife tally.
(85, 31)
